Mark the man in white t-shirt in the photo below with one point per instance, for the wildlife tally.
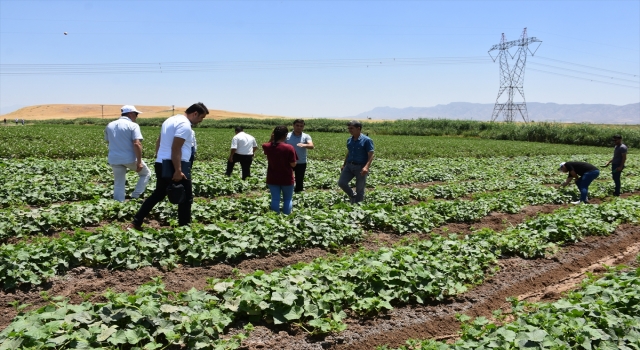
(301, 142)
(173, 152)
(243, 147)
(123, 137)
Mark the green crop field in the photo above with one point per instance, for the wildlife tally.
(443, 216)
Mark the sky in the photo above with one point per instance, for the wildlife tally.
(312, 58)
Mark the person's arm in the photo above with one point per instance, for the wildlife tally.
(157, 147)
(255, 148)
(365, 168)
(137, 149)
(294, 157)
(624, 160)
(233, 151)
(572, 175)
(176, 159)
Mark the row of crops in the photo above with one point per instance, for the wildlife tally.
(318, 296)
(40, 182)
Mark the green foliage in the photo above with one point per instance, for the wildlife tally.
(82, 141)
(602, 314)
(573, 134)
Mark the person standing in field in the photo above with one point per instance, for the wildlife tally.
(123, 137)
(281, 159)
(173, 150)
(357, 162)
(584, 173)
(243, 147)
(617, 162)
(301, 142)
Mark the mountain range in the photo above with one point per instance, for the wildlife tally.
(564, 113)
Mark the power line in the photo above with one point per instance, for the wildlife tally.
(582, 65)
(587, 79)
(581, 72)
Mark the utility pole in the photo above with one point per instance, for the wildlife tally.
(512, 79)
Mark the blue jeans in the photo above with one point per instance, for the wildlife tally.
(616, 179)
(584, 181)
(287, 193)
(348, 173)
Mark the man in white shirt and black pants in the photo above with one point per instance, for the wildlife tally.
(125, 152)
(173, 150)
(243, 147)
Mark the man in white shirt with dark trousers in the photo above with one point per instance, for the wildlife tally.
(243, 147)
(173, 151)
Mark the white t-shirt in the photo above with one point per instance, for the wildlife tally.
(176, 126)
(120, 135)
(243, 143)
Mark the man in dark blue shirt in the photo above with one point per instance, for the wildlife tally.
(357, 162)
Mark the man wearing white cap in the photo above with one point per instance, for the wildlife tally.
(125, 152)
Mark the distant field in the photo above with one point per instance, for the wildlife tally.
(74, 111)
(81, 141)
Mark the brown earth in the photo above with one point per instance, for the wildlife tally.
(73, 111)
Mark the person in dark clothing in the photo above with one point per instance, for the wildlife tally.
(617, 162)
(584, 173)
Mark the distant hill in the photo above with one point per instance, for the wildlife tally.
(73, 111)
(565, 113)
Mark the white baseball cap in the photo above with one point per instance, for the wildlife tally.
(129, 109)
(561, 165)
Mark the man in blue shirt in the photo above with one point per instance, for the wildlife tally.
(357, 162)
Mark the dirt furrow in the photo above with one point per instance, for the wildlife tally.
(537, 279)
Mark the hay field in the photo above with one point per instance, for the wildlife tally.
(73, 111)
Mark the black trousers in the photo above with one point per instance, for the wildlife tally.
(184, 209)
(245, 161)
(299, 171)
(616, 179)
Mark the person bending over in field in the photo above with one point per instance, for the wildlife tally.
(617, 162)
(301, 142)
(173, 153)
(584, 173)
(356, 163)
(281, 159)
(125, 152)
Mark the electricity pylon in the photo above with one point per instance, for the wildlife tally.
(512, 79)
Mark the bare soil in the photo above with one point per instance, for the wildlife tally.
(73, 111)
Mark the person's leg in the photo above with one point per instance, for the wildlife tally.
(287, 194)
(143, 178)
(361, 183)
(158, 195)
(275, 197)
(231, 164)
(345, 177)
(184, 209)
(586, 180)
(616, 179)
(119, 181)
(300, 170)
(245, 164)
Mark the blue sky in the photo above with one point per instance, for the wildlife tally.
(311, 58)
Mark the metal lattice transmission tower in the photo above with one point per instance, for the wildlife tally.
(512, 78)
